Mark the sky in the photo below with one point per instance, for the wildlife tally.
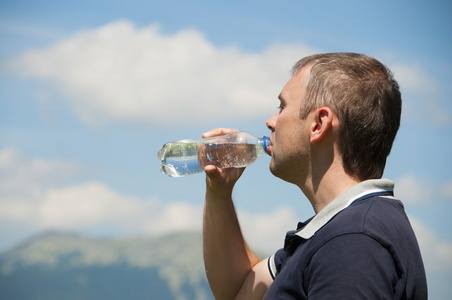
(90, 91)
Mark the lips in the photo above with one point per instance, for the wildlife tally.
(269, 148)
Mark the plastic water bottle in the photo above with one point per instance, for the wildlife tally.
(235, 150)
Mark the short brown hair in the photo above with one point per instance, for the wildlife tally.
(367, 100)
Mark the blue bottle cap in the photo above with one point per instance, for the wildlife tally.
(266, 143)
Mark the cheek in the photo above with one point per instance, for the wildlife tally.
(289, 136)
(285, 128)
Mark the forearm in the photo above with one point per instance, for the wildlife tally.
(227, 258)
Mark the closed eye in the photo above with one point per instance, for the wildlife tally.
(281, 103)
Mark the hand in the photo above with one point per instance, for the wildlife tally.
(221, 181)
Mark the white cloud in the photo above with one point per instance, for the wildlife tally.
(421, 94)
(92, 205)
(173, 217)
(266, 231)
(436, 252)
(411, 189)
(416, 190)
(119, 72)
(414, 78)
(447, 190)
(24, 177)
(35, 198)
(7, 157)
(41, 194)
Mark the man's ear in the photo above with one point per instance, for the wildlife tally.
(322, 123)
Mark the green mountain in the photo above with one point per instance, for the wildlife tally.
(67, 266)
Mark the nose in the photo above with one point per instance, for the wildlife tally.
(271, 122)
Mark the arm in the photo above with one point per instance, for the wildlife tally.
(233, 270)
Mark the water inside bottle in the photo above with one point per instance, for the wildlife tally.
(184, 158)
(179, 159)
(230, 155)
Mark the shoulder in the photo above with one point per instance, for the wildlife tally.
(382, 219)
(367, 250)
(377, 226)
(377, 216)
(351, 264)
(370, 242)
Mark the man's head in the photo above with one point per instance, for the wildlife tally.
(366, 99)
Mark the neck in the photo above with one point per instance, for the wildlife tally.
(324, 187)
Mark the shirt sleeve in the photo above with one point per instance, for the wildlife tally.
(275, 262)
(351, 266)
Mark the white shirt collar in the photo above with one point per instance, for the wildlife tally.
(343, 201)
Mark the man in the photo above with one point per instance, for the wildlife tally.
(338, 118)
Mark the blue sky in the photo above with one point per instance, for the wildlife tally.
(90, 90)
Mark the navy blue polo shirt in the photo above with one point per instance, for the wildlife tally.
(360, 246)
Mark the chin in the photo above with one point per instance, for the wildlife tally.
(274, 169)
(284, 172)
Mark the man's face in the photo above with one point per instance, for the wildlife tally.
(290, 134)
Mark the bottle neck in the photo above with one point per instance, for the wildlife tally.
(265, 142)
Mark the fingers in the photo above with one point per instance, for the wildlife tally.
(218, 132)
(211, 170)
(221, 181)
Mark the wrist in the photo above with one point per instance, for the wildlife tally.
(217, 194)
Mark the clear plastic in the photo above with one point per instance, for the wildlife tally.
(235, 150)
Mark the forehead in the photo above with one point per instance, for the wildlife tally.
(295, 88)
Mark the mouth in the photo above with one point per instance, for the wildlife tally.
(269, 147)
(269, 150)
